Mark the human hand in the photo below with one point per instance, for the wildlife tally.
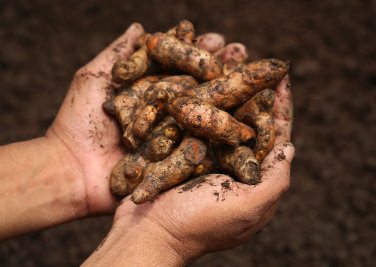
(214, 212)
(90, 137)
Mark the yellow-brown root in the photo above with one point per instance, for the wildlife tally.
(162, 175)
(172, 52)
(205, 120)
(258, 112)
(239, 161)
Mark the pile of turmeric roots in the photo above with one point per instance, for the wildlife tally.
(187, 109)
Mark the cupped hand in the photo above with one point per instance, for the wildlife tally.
(214, 212)
(92, 138)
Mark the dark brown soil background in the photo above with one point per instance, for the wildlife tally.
(327, 219)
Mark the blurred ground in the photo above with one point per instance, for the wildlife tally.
(327, 218)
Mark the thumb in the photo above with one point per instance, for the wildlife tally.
(122, 47)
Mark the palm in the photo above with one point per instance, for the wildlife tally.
(91, 136)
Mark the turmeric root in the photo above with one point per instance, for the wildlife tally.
(232, 56)
(211, 42)
(240, 85)
(161, 142)
(168, 87)
(185, 31)
(205, 120)
(180, 82)
(156, 97)
(127, 174)
(232, 52)
(240, 162)
(155, 111)
(177, 167)
(141, 41)
(129, 140)
(140, 86)
(171, 52)
(145, 120)
(124, 105)
(131, 69)
(258, 111)
(205, 167)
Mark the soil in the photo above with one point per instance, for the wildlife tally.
(328, 216)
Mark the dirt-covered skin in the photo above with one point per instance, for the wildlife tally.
(258, 112)
(240, 85)
(131, 69)
(177, 167)
(171, 52)
(240, 162)
(207, 121)
(127, 174)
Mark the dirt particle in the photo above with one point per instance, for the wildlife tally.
(280, 156)
(195, 183)
(226, 185)
(216, 193)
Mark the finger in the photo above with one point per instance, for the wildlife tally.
(232, 52)
(211, 41)
(122, 47)
(275, 177)
(283, 111)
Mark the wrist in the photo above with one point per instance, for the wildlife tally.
(38, 187)
(69, 175)
(139, 242)
(151, 245)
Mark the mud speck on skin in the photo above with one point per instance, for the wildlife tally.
(280, 156)
(195, 183)
(226, 185)
(216, 193)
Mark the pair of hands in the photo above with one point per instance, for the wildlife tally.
(208, 217)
